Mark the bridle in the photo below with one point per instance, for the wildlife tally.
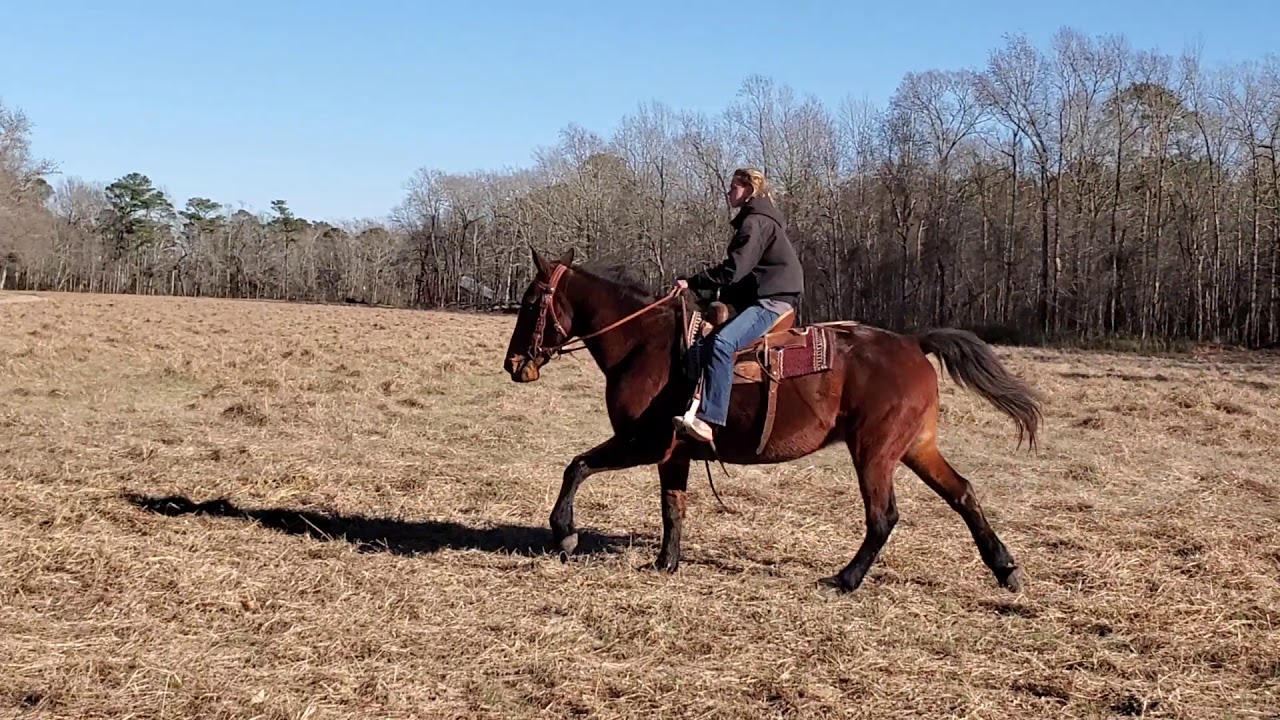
(547, 314)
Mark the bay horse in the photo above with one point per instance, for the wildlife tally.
(880, 397)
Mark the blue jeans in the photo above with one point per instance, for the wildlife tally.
(717, 372)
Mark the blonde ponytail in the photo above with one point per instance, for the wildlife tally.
(754, 179)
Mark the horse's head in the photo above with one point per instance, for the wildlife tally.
(544, 322)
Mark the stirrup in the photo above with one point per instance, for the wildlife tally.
(693, 408)
(684, 427)
(694, 402)
(682, 423)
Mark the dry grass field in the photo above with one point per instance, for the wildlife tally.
(224, 509)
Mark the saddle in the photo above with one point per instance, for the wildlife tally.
(782, 353)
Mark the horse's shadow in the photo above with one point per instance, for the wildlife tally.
(375, 534)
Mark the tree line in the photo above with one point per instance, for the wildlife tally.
(1084, 190)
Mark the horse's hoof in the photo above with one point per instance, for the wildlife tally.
(1014, 581)
(834, 584)
(662, 565)
(569, 543)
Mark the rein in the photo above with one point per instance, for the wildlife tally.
(548, 312)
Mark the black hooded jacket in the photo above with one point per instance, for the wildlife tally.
(760, 262)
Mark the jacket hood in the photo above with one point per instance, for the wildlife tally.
(758, 205)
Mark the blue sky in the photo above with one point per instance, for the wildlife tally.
(333, 105)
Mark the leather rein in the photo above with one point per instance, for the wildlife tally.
(547, 312)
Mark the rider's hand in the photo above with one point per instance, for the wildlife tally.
(682, 284)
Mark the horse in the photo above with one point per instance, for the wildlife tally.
(879, 396)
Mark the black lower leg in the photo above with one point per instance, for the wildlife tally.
(563, 532)
(953, 487)
(994, 553)
(882, 515)
(674, 477)
(613, 454)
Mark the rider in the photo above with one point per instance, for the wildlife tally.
(762, 274)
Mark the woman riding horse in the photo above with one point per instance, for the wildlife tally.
(762, 275)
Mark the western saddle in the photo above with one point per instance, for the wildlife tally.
(783, 352)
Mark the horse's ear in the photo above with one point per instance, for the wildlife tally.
(540, 262)
(567, 258)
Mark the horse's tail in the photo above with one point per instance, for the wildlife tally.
(971, 364)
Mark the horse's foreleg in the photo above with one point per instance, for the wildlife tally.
(613, 454)
(674, 476)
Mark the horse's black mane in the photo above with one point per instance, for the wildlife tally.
(620, 274)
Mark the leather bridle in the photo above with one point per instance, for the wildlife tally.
(547, 314)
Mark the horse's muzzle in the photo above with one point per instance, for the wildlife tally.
(522, 369)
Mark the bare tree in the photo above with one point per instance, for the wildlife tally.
(1083, 190)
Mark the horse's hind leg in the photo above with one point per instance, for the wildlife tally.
(875, 479)
(926, 461)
